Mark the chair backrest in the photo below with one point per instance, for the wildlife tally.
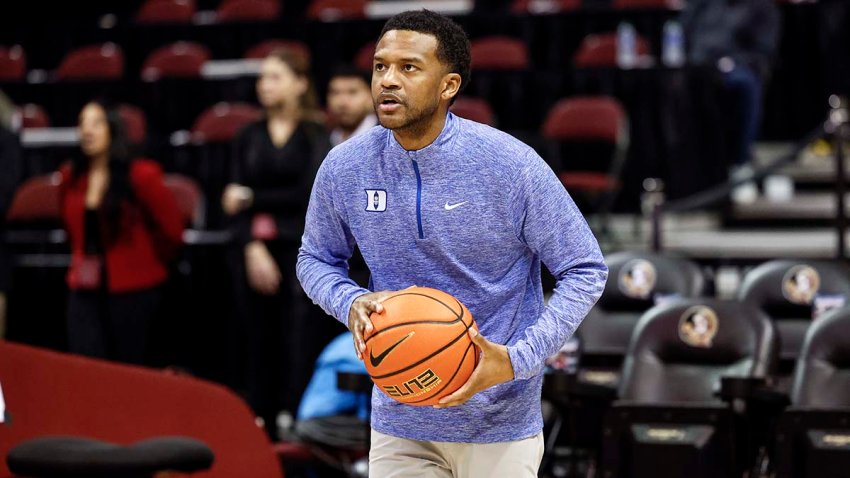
(49, 393)
(680, 350)
(248, 10)
(36, 200)
(33, 116)
(190, 199)
(134, 122)
(791, 291)
(475, 109)
(177, 60)
(637, 281)
(166, 11)
(95, 62)
(822, 376)
(600, 50)
(262, 50)
(333, 10)
(499, 53)
(545, 6)
(363, 58)
(586, 118)
(222, 121)
(13, 63)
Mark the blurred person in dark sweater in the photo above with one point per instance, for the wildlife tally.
(738, 38)
(274, 164)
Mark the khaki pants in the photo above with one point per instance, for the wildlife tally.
(392, 457)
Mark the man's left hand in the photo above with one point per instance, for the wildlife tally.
(493, 368)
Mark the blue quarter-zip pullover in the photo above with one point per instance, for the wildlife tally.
(473, 214)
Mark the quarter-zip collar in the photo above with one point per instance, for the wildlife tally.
(441, 145)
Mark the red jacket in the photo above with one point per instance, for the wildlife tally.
(149, 231)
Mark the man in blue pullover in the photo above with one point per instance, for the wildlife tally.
(438, 201)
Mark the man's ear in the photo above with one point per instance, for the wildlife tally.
(450, 87)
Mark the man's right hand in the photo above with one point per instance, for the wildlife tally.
(358, 317)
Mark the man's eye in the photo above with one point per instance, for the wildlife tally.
(379, 67)
(409, 67)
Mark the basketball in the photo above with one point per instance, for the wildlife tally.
(419, 350)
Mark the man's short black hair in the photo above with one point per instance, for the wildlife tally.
(452, 42)
(347, 70)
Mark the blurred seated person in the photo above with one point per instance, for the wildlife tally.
(738, 38)
(124, 229)
(274, 164)
(350, 103)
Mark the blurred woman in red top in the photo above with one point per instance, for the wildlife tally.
(124, 227)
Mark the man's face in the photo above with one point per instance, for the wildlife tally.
(349, 101)
(407, 79)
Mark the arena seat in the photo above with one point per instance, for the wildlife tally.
(637, 282)
(134, 123)
(586, 123)
(124, 404)
(669, 410)
(33, 116)
(475, 109)
(177, 60)
(190, 199)
(166, 11)
(95, 62)
(36, 201)
(499, 53)
(248, 10)
(13, 63)
(334, 10)
(222, 121)
(813, 436)
(790, 292)
(600, 51)
(363, 58)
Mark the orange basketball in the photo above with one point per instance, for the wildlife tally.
(420, 350)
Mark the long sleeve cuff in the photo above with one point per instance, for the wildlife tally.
(347, 297)
(524, 361)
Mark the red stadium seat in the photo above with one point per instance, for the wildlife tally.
(499, 53)
(248, 10)
(95, 62)
(190, 199)
(334, 10)
(33, 116)
(50, 393)
(262, 50)
(648, 4)
(590, 119)
(13, 63)
(600, 50)
(166, 11)
(134, 123)
(36, 200)
(475, 109)
(222, 121)
(545, 6)
(177, 60)
(364, 56)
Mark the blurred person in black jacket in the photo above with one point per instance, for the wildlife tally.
(274, 164)
(10, 165)
(738, 38)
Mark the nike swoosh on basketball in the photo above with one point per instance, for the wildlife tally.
(449, 207)
(380, 358)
